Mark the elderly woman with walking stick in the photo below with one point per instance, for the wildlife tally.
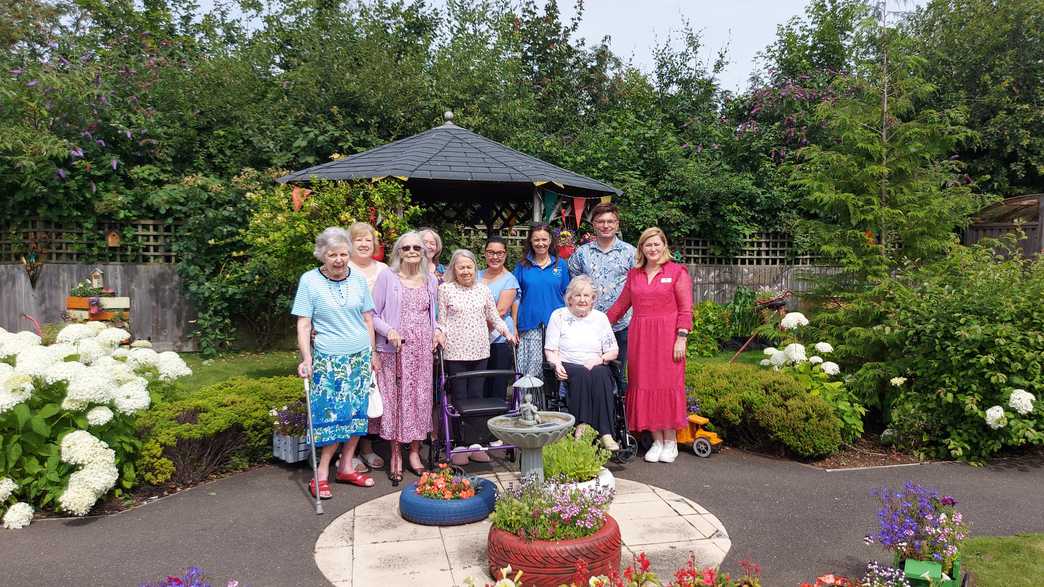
(334, 301)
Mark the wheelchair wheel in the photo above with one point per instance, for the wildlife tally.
(702, 447)
(628, 450)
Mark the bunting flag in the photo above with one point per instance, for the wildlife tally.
(578, 209)
(550, 199)
(299, 195)
(607, 199)
(562, 210)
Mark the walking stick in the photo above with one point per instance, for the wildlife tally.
(311, 442)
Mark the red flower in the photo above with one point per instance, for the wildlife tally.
(643, 561)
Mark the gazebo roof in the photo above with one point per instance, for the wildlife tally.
(454, 154)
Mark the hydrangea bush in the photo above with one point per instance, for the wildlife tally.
(67, 414)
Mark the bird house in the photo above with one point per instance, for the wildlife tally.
(112, 239)
(96, 278)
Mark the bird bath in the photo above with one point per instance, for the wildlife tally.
(530, 431)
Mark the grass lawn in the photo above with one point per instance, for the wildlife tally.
(747, 358)
(250, 364)
(1008, 561)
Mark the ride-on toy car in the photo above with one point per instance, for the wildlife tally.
(703, 441)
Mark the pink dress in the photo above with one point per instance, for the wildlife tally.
(405, 377)
(655, 381)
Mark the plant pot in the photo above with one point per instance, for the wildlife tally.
(447, 512)
(923, 573)
(605, 479)
(550, 563)
(292, 449)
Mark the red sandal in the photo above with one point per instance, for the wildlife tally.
(324, 489)
(355, 478)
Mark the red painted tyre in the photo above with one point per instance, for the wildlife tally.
(546, 563)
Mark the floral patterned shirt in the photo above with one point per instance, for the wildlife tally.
(608, 270)
(464, 317)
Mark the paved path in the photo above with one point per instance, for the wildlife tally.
(258, 527)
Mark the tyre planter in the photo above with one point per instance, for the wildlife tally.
(550, 563)
(447, 512)
(605, 479)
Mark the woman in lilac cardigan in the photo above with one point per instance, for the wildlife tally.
(404, 300)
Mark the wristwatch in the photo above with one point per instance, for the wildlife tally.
(682, 333)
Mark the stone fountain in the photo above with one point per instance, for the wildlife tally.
(530, 431)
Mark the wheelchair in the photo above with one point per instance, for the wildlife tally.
(554, 394)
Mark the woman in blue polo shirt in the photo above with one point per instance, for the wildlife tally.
(542, 279)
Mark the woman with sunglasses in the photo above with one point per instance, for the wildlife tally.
(405, 301)
(504, 287)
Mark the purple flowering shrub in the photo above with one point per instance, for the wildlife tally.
(550, 511)
(291, 419)
(915, 522)
(878, 575)
(193, 577)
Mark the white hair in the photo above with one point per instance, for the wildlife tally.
(451, 271)
(396, 258)
(331, 237)
(574, 287)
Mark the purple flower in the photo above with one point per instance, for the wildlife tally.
(32, 83)
(114, 163)
(16, 72)
(76, 152)
(61, 173)
(100, 143)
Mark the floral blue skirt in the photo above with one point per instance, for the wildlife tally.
(340, 394)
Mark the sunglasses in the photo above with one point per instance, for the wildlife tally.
(411, 248)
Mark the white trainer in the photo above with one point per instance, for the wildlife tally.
(670, 451)
(653, 454)
(609, 444)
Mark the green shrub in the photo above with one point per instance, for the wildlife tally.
(220, 427)
(709, 328)
(575, 459)
(764, 409)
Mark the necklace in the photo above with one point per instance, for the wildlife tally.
(338, 287)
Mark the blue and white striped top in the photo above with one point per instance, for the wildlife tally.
(336, 309)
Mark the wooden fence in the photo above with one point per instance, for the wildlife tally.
(159, 310)
(139, 241)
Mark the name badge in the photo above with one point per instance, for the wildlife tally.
(665, 280)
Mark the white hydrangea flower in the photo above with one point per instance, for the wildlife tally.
(5, 370)
(77, 499)
(778, 359)
(120, 353)
(132, 397)
(897, 381)
(62, 350)
(112, 337)
(1021, 401)
(769, 351)
(143, 357)
(34, 361)
(815, 359)
(7, 487)
(995, 417)
(122, 374)
(141, 343)
(830, 368)
(16, 388)
(171, 366)
(824, 347)
(74, 332)
(795, 352)
(63, 371)
(13, 343)
(74, 405)
(80, 447)
(99, 416)
(98, 477)
(18, 516)
(90, 350)
(793, 320)
(93, 385)
(765, 362)
(97, 327)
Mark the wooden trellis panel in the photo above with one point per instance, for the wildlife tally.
(141, 241)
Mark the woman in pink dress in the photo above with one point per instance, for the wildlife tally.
(660, 291)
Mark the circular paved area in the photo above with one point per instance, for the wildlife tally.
(373, 545)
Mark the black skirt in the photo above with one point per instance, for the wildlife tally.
(590, 396)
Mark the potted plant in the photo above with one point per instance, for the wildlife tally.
(577, 460)
(544, 529)
(447, 497)
(924, 531)
(290, 432)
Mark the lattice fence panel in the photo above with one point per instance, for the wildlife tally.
(140, 241)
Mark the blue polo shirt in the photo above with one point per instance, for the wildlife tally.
(542, 291)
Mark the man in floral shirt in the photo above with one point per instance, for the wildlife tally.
(606, 260)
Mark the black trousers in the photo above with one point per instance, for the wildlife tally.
(591, 396)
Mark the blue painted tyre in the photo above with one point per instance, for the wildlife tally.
(447, 512)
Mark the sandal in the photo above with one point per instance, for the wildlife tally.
(324, 489)
(357, 465)
(355, 478)
(395, 478)
(373, 460)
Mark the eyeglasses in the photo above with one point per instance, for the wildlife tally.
(607, 221)
(417, 248)
(496, 253)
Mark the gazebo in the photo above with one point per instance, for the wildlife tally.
(468, 178)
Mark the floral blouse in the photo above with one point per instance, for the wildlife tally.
(464, 317)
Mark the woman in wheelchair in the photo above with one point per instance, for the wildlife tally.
(580, 344)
